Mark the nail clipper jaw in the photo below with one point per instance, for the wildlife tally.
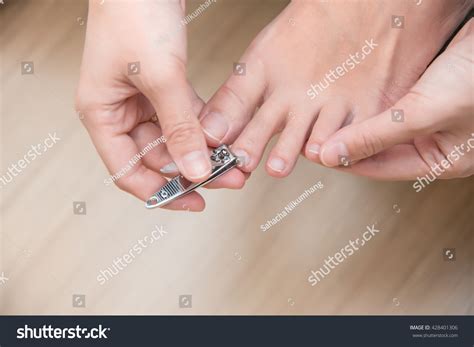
(222, 160)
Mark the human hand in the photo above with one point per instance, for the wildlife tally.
(134, 66)
(430, 129)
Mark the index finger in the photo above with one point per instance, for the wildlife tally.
(119, 154)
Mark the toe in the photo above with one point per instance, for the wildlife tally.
(232, 106)
(283, 156)
(330, 119)
(251, 143)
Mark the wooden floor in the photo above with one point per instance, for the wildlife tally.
(221, 257)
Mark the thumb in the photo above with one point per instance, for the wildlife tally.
(177, 107)
(409, 117)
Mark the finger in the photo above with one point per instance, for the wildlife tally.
(146, 112)
(466, 30)
(401, 162)
(234, 179)
(133, 177)
(192, 202)
(177, 107)
(411, 116)
(152, 148)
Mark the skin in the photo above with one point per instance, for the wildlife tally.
(438, 126)
(117, 106)
(311, 41)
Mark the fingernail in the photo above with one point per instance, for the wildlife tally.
(169, 168)
(244, 158)
(335, 154)
(215, 126)
(196, 165)
(277, 164)
(314, 148)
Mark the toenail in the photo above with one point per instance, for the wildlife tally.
(335, 154)
(244, 158)
(215, 126)
(169, 168)
(196, 165)
(277, 164)
(314, 149)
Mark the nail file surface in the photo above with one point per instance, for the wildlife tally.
(222, 160)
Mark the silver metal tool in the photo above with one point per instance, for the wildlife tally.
(222, 160)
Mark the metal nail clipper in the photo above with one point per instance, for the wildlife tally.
(222, 160)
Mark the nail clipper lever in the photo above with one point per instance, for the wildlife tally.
(222, 160)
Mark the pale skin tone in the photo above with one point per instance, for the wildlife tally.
(361, 71)
(437, 133)
(284, 65)
(117, 102)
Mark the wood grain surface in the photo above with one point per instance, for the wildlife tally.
(221, 256)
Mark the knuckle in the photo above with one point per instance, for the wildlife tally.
(369, 143)
(86, 94)
(126, 182)
(84, 105)
(165, 78)
(81, 100)
(181, 132)
(155, 83)
(420, 118)
(122, 184)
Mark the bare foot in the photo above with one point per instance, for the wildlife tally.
(320, 66)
